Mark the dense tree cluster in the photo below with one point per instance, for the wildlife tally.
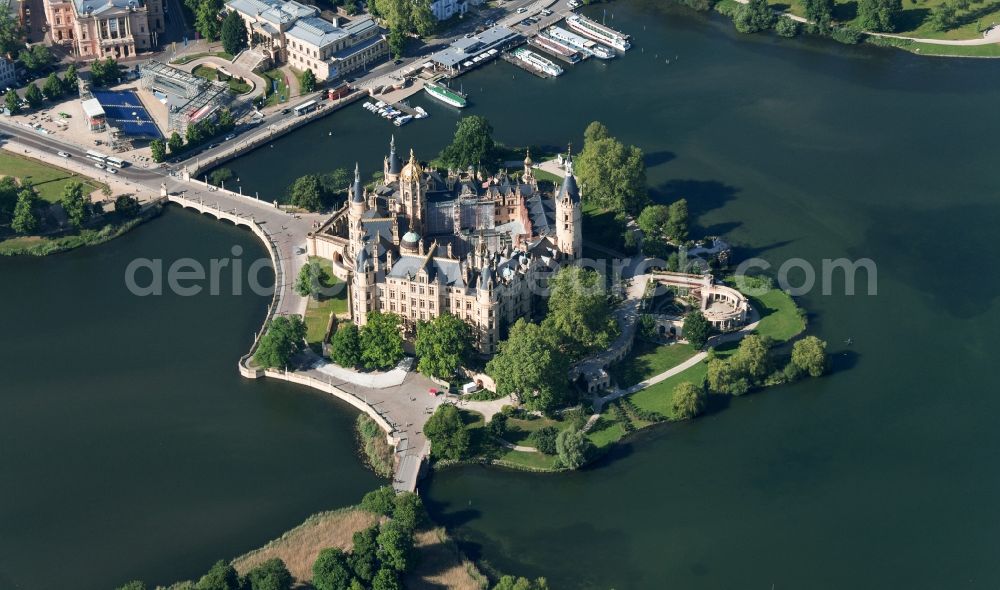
(612, 176)
(271, 574)
(754, 16)
(36, 58)
(206, 17)
(315, 192)
(529, 366)
(688, 400)
(284, 337)
(345, 346)
(879, 15)
(447, 432)
(234, 33)
(442, 345)
(381, 342)
(753, 365)
(105, 72)
(579, 312)
(472, 146)
(11, 33)
(696, 329)
(404, 17)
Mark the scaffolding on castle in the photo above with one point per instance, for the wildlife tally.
(199, 98)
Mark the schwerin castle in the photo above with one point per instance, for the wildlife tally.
(423, 243)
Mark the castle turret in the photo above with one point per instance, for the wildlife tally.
(363, 291)
(411, 191)
(569, 214)
(355, 211)
(392, 165)
(529, 176)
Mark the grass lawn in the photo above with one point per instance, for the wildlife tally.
(606, 431)
(780, 317)
(647, 360)
(543, 175)
(530, 460)
(519, 429)
(48, 180)
(190, 58)
(274, 97)
(601, 227)
(992, 50)
(658, 398)
(212, 75)
(915, 19)
(318, 312)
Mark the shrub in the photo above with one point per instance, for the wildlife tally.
(381, 501)
(498, 425)
(786, 27)
(544, 439)
(847, 35)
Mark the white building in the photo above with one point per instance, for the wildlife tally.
(445, 9)
(8, 73)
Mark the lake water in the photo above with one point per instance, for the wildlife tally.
(130, 447)
(883, 474)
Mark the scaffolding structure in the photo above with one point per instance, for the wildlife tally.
(197, 97)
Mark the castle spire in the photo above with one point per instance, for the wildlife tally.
(358, 189)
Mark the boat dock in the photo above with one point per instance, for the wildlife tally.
(526, 66)
(556, 50)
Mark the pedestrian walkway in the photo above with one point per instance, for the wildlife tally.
(373, 380)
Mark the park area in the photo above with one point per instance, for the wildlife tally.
(48, 180)
(916, 19)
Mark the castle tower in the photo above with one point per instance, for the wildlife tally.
(412, 193)
(392, 166)
(529, 176)
(569, 215)
(356, 210)
(487, 327)
(363, 291)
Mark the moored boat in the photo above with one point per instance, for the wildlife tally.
(446, 95)
(598, 32)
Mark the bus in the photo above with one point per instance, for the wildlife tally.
(116, 162)
(306, 107)
(96, 156)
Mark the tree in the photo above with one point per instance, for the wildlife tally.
(397, 41)
(284, 337)
(345, 346)
(653, 220)
(497, 425)
(395, 543)
(133, 585)
(528, 366)
(206, 13)
(364, 557)
(386, 579)
(158, 149)
(11, 35)
(613, 175)
(76, 204)
(441, 345)
(306, 193)
(269, 575)
(750, 359)
(222, 576)
(943, 16)
(786, 27)
(175, 143)
(105, 72)
(596, 131)
(688, 400)
(310, 280)
(127, 206)
(724, 378)
(25, 219)
(11, 101)
(447, 433)
(820, 12)
(307, 82)
(472, 145)
(677, 221)
(335, 183)
(70, 80)
(572, 447)
(879, 15)
(33, 95)
(37, 58)
(422, 18)
(381, 343)
(544, 439)
(809, 356)
(380, 501)
(512, 583)
(331, 570)
(754, 16)
(579, 312)
(409, 510)
(53, 87)
(8, 197)
(234, 33)
(696, 329)
(220, 176)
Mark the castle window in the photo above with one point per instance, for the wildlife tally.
(430, 290)
(421, 304)
(431, 305)
(421, 288)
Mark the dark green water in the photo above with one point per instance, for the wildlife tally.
(130, 447)
(883, 475)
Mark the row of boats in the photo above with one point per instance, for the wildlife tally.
(396, 116)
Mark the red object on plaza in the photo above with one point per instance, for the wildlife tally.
(433, 391)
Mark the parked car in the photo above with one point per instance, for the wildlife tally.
(546, 12)
(522, 10)
(63, 154)
(99, 165)
(229, 137)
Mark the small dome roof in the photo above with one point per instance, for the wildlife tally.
(412, 168)
(412, 237)
(527, 158)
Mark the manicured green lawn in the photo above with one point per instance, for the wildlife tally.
(647, 360)
(530, 460)
(274, 97)
(48, 180)
(318, 312)
(606, 431)
(658, 397)
(992, 50)
(780, 317)
(543, 175)
(518, 429)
